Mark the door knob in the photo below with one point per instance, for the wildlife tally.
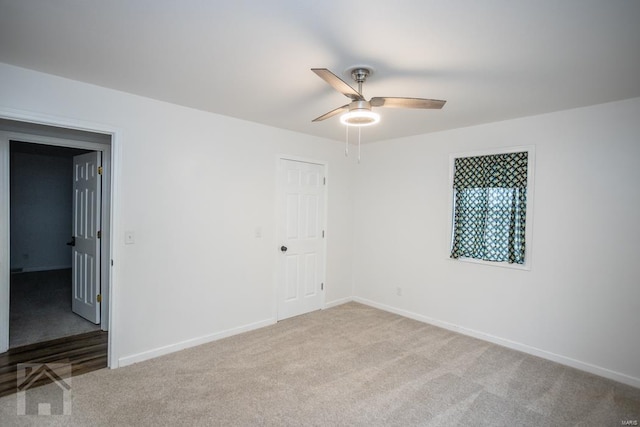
(72, 242)
(283, 248)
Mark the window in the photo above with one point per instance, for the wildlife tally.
(490, 207)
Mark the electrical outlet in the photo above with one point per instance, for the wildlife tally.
(399, 291)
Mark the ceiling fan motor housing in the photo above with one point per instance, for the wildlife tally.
(360, 75)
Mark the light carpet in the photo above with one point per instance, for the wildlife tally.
(345, 366)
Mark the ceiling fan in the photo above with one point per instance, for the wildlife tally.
(358, 111)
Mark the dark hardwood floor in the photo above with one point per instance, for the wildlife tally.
(86, 352)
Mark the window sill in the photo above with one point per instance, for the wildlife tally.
(525, 267)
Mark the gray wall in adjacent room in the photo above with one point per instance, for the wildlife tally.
(41, 202)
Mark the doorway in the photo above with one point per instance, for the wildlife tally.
(41, 244)
(60, 139)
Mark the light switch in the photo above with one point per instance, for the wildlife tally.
(129, 237)
(258, 232)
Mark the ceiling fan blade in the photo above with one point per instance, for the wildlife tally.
(332, 113)
(407, 103)
(338, 84)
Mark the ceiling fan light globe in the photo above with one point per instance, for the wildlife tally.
(360, 118)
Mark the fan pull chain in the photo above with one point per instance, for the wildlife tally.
(359, 128)
(346, 144)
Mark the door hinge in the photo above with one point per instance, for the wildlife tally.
(322, 286)
(323, 234)
(324, 180)
(99, 234)
(99, 298)
(99, 170)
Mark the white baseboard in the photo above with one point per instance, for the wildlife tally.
(161, 351)
(337, 302)
(563, 360)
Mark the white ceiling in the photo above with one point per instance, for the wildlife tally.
(491, 60)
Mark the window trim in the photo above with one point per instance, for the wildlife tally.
(530, 149)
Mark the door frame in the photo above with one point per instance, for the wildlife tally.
(110, 152)
(276, 218)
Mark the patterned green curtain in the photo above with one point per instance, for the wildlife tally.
(490, 207)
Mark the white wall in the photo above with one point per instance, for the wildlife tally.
(580, 302)
(193, 186)
(40, 211)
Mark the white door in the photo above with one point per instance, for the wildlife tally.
(301, 198)
(86, 228)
